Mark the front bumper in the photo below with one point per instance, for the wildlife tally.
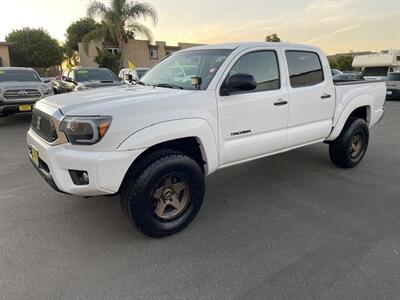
(6, 109)
(106, 170)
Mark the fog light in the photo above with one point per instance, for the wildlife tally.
(79, 177)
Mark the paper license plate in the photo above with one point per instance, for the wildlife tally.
(25, 107)
(35, 156)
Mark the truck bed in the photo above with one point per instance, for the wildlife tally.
(363, 92)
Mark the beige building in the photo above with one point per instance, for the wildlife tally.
(4, 55)
(140, 52)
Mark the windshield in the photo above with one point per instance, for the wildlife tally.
(102, 75)
(18, 75)
(394, 77)
(178, 69)
(375, 71)
(141, 73)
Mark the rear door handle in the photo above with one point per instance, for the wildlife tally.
(280, 102)
(325, 96)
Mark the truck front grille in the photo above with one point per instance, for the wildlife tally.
(14, 95)
(42, 124)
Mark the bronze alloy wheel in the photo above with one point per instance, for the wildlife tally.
(163, 193)
(349, 148)
(171, 198)
(356, 146)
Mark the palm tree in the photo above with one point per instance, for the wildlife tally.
(120, 22)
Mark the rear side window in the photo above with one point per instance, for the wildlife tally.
(263, 65)
(305, 68)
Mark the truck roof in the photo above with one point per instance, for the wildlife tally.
(245, 45)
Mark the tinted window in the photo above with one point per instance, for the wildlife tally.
(394, 77)
(375, 71)
(94, 75)
(18, 75)
(304, 68)
(263, 65)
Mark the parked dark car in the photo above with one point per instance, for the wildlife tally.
(80, 78)
(347, 77)
(393, 86)
(336, 72)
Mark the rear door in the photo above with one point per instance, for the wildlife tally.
(311, 97)
(253, 124)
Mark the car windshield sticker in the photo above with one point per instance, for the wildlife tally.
(82, 71)
(2, 72)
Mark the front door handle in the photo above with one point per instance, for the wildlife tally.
(326, 96)
(280, 102)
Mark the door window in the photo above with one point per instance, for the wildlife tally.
(305, 68)
(263, 65)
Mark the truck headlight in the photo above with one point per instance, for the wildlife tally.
(85, 130)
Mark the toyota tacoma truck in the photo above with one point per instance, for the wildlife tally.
(154, 142)
(20, 88)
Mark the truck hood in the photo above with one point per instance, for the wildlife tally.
(22, 85)
(104, 100)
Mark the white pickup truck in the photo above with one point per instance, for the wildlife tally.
(154, 142)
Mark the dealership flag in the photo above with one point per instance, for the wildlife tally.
(131, 65)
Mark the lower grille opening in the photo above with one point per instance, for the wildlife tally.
(44, 166)
(79, 177)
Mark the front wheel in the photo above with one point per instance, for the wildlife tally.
(165, 195)
(349, 148)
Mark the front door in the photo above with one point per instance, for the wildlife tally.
(253, 124)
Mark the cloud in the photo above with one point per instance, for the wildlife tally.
(341, 30)
(354, 26)
(323, 6)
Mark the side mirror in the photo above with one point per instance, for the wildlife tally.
(129, 78)
(240, 82)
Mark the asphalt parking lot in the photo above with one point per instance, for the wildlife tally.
(287, 226)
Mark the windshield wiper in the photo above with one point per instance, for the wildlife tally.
(168, 85)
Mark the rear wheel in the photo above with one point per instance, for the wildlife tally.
(349, 148)
(163, 193)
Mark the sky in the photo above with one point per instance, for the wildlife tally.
(334, 25)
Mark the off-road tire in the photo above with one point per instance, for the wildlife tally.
(137, 193)
(340, 149)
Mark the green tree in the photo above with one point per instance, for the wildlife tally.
(120, 21)
(273, 38)
(77, 30)
(107, 59)
(341, 62)
(344, 62)
(34, 48)
(332, 63)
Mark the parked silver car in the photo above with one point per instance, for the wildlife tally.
(20, 88)
(393, 86)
